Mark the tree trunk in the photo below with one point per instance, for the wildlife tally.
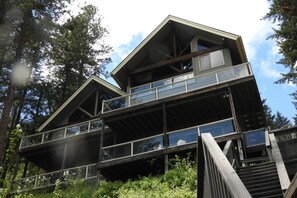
(5, 119)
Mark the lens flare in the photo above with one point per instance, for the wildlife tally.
(20, 75)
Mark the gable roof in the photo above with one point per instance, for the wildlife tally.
(188, 29)
(80, 93)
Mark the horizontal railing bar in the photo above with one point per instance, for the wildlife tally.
(59, 171)
(60, 129)
(138, 140)
(155, 89)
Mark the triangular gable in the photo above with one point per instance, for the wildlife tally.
(121, 72)
(80, 92)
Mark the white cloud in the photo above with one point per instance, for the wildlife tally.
(267, 70)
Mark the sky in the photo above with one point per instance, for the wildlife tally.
(130, 21)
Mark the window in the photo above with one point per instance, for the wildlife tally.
(213, 59)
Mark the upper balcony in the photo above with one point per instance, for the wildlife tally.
(174, 86)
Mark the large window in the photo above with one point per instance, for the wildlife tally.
(213, 59)
(218, 128)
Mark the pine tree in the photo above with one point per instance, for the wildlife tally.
(78, 51)
(281, 121)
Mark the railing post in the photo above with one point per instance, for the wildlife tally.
(21, 143)
(42, 139)
(89, 126)
(186, 86)
(132, 151)
(35, 183)
(65, 132)
(157, 93)
(217, 78)
(87, 169)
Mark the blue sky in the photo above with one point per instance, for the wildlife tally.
(130, 21)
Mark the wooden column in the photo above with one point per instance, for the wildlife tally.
(165, 136)
(63, 160)
(101, 142)
(15, 171)
(100, 151)
(236, 124)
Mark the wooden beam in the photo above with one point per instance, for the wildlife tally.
(163, 53)
(175, 60)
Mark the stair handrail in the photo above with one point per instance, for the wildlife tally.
(292, 190)
(222, 178)
(280, 165)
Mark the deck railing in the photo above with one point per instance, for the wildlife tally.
(61, 133)
(180, 87)
(49, 179)
(223, 180)
(175, 138)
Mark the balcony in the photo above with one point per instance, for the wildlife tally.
(61, 133)
(175, 138)
(48, 179)
(160, 89)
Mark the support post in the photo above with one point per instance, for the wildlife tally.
(63, 161)
(15, 171)
(100, 151)
(165, 136)
(236, 124)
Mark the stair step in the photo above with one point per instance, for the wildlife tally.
(255, 174)
(266, 193)
(279, 195)
(259, 177)
(258, 166)
(256, 169)
(263, 184)
(263, 189)
(257, 181)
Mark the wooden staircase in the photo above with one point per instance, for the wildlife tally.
(261, 180)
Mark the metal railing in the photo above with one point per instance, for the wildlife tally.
(223, 180)
(175, 88)
(175, 138)
(61, 133)
(49, 179)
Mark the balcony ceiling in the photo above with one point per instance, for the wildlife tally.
(162, 39)
(81, 150)
(190, 109)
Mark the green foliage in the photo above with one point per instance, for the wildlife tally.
(180, 181)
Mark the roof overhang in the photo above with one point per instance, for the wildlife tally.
(187, 29)
(92, 83)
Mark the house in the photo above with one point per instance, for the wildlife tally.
(182, 82)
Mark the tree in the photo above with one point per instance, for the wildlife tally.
(280, 120)
(78, 51)
(25, 26)
(284, 13)
(269, 115)
(274, 121)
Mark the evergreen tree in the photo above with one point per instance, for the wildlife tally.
(284, 13)
(78, 51)
(269, 115)
(280, 120)
(25, 27)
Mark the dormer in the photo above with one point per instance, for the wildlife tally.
(178, 47)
